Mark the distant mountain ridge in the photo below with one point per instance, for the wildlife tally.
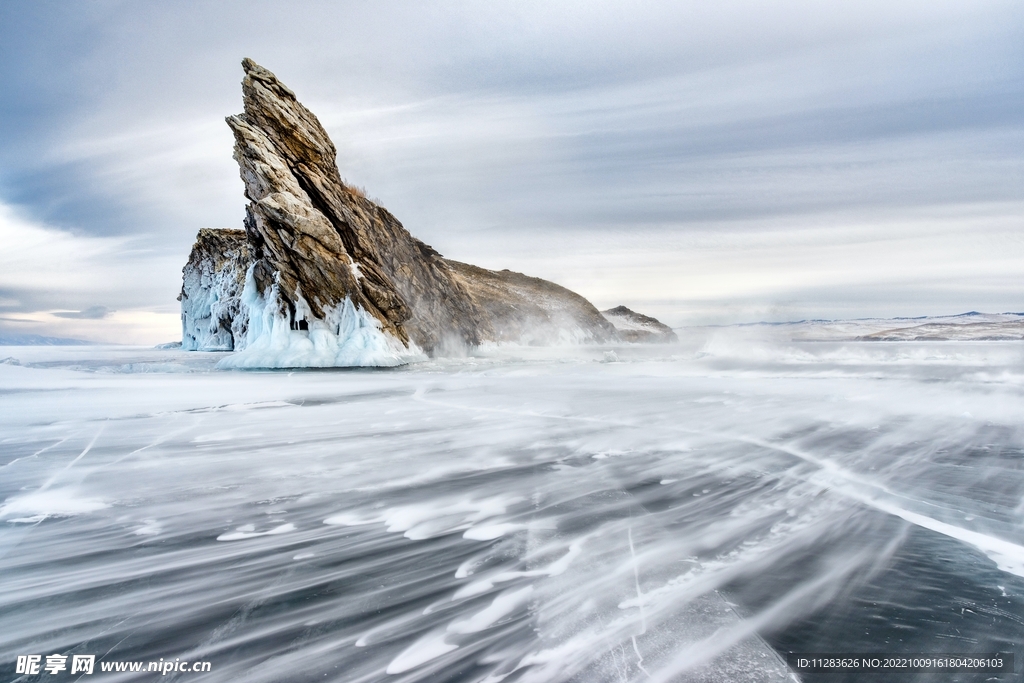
(39, 340)
(970, 326)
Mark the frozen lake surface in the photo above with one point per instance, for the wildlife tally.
(667, 513)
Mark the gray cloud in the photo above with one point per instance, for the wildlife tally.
(91, 313)
(513, 130)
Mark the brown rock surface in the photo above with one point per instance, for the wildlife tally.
(529, 310)
(631, 326)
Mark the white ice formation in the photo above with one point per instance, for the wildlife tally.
(212, 317)
(346, 337)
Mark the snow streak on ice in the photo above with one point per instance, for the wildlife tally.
(591, 514)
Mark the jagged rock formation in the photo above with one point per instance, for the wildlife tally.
(325, 241)
(635, 327)
(324, 276)
(212, 317)
(527, 310)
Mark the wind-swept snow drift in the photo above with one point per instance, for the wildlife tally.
(333, 279)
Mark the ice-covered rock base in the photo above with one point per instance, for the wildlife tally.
(347, 337)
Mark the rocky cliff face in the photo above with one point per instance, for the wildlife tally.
(212, 315)
(322, 243)
(527, 310)
(331, 278)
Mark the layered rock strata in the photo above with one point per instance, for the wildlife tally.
(324, 244)
(324, 276)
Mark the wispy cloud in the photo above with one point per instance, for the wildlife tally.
(91, 313)
(789, 158)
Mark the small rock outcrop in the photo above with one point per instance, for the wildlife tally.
(323, 276)
(212, 315)
(631, 326)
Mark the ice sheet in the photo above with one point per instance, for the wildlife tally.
(521, 513)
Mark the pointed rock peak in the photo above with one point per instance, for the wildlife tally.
(254, 71)
(335, 279)
(294, 130)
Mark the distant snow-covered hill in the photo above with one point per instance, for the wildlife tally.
(972, 326)
(39, 340)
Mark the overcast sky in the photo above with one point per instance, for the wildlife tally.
(702, 162)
